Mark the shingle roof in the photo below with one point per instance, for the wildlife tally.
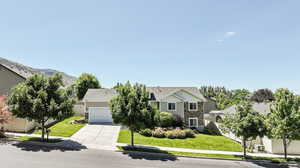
(262, 108)
(163, 92)
(99, 95)
(104, 95)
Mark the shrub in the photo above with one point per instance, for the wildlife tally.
(166, 119)
(177, 121)
(170, 135)
(179, 134)
(175, 134)
(158, 133)
(189, 133)
(146, 132)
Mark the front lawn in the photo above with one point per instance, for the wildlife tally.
(37, 139)
(201, 141)
(64, 128)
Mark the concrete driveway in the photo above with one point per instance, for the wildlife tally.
(98, 136)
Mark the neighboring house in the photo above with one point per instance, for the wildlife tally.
(9, 78)
(270, 145)
(186, 102)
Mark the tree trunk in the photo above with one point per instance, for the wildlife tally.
(244, 146)
(285, 147)
(132, 137)
(2, 133)
(43, 131)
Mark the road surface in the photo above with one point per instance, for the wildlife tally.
(24, 156)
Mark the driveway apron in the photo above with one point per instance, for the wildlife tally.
(98, 136)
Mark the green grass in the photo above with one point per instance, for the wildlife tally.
(64, 128)
(220, 156)
(201, 141)
(37, 139)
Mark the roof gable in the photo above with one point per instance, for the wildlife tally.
(161, 93)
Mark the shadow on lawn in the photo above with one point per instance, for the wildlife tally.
(67, 145)
(147, 154)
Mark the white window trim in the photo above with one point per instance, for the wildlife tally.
(193, 109)
(175, 106)
(192, 118)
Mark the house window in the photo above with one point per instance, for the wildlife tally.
(193, 122)
(193, 106)
(172, 106)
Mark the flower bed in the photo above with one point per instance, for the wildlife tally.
(168, 133)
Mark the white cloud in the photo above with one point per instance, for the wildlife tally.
(226, 36)
(229, 34)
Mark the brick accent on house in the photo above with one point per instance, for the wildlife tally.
(199, 114)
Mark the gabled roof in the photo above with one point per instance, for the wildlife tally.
(263, 108)
(99, 95)
(105, 95)
(21, 72)
(162, 92)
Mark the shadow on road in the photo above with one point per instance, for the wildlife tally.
(67, 145)
(5, 141)
(268, 164)
(147, 154)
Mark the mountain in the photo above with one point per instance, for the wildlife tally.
(67, 79)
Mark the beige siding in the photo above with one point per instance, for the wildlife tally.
(8, 80)
(179, 108)
(18, 125)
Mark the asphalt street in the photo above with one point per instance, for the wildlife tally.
(24, 156)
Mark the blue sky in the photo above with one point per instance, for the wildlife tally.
(239, 44)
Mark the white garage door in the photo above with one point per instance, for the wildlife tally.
(99, 115)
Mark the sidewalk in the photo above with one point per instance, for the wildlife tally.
(210, 151)
(35, 135)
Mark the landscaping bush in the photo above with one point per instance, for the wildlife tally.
(170, 135)
(189, 133)
(146, 132)
(179, 134)
(177, 121)
(158, 133)
(175, 134)
(166, 119)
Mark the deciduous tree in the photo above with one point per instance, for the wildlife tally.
(284, 119)
(131, 108)
(244, 123)
(84, 82)
(5, 115)
(41, 99)
(262, 95)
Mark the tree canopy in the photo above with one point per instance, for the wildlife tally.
(84, 82)
(284, 119)
(262, 95)
(5, 115)
(224, 97)
(41, 99)
(131, 108)
(245, 123)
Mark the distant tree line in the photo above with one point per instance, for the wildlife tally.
(225, 97)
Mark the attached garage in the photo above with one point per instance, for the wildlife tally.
(96, 102)
(99, 115)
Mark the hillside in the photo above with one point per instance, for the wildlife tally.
(68, 79)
